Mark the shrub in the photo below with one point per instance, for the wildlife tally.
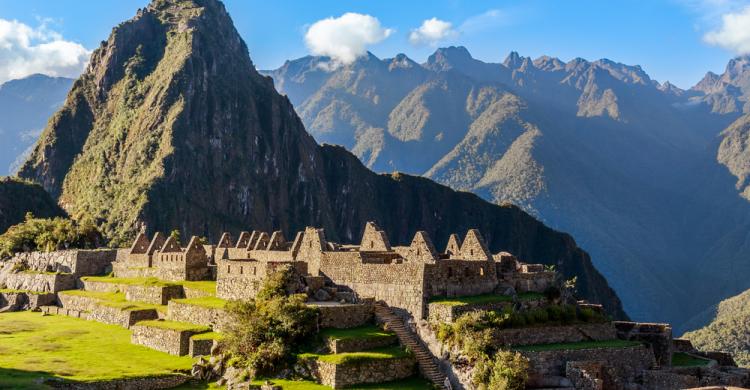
(263, 334)
(48, 235)
(506, 370)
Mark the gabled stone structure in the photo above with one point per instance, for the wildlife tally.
(374, 239)
(405, 277)
(165, 259)
(454, 246)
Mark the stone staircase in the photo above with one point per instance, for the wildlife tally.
(424, 358)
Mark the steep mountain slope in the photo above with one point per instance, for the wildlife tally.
(596, 148)
(25, 106)
(728, 330)
(18, 197)
(726, 93)
(172, 127)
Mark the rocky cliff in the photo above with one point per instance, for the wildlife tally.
(171, 127)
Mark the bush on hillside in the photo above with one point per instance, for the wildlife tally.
(264, 333)
(505, 370)
(40, 234)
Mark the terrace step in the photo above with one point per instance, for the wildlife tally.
(106, 311)
(171, 337)
(424, 358)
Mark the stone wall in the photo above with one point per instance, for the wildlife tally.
(448, 313)
(207, 316)
(106, 314)
(625, 363)
(90, 285)
(340, 376)
(460, 277)
(400, 285)
(342, 316)
(158, 295)
(16, 301)
(78, 262)
(200, 347)
(585, 375)
(241, 279)
(359, 344)
(149, 383)
(173, 342)
(666, 380)
(658, 336)
(530, 281)
(39, 282)
(553, 334)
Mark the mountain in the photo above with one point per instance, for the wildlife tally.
(18, 197)
(630, 167)
(728, 330)
(171, 126)
(25, 106)
(729, 92)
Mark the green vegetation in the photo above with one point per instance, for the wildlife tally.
(394, 352)
(681, 359)
(34, 347)
(19, 197)
(48, 235)
(115, 299)
(362, 332)
(175, 325)
(484, 299)
(579, 345)
(506, 370)
(405, 384)
(264, 334)
(130, 281)
(210, 302)
(208, 336)
(728, 330)
(207, 286)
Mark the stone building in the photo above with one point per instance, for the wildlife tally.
(163, 258)
(404, 277)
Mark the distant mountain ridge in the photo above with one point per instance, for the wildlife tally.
(25, 106)
(629, 166)
(171, 126)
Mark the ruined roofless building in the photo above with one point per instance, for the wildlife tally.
(405, 277)
(163, 258)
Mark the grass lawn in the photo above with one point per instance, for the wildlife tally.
(210, 302)
(33, 346)
(484, 299)
(115, 299)
(579, 345)
(174, 325)
(405, 384)
(362, 332)
(207, 286)
(353, 357)
(129, 281)
(681, 359)
(207, 336)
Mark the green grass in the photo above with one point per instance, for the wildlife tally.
(484, 299)
(115, 299)
(576, 346)
(210, 302)
(681, 359)
(208, 336)
(175, 325)
(207, 286)
(33, 346)
(129, 281)
(354, 357)
(362, 332)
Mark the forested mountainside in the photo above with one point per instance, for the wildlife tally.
(18, 197)
(643, 174)
(172, 127)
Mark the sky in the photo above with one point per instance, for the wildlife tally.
(674, 40)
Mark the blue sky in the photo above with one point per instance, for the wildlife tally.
(667, 38)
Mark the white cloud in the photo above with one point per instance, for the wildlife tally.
(431, 32)
(345, 38)
(25, 50)
(486, 20)
(734, 32)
